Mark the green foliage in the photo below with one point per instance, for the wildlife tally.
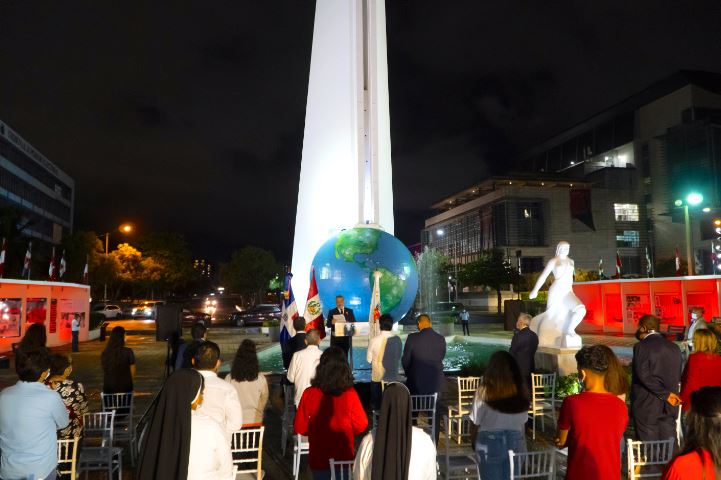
(585, 275)
(447, 320)
(432, 266)
(490, 270)
(567, 385)
(96, 319)
(272, 322)
(171, 267)
(249, 271)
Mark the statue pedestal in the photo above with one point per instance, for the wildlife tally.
(559, 360)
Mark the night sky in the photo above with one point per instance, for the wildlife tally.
(188, 116)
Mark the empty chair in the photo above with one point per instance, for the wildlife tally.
(98, 452)
(424, 406)
(123, 429)
(67, 457)
(341, 470)
(467, 387)
(301, 447)
(247, 450)
(543, 399)
(647, 459)
(288, 415)
(459, 463)
(536, 465)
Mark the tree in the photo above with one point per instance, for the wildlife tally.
(80, 247)
(491, 270)
(432, 266)
(173, 266)
(249, 272)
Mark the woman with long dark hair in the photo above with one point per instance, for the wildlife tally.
(251, 385)
(701, 454)
(118, 362)
(498, 416)
(181, 442)
(395, 448)
(330, 413)
(35, 339)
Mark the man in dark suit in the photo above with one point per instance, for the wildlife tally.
(296, 343)
(657, 367)
(340, 309)
(523, 347)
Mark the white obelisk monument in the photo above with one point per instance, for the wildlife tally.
(345, 176)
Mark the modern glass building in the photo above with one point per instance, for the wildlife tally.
(30, 182)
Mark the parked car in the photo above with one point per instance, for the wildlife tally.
(109, 311)
(255, 316)
(191, 317)
(145, 310)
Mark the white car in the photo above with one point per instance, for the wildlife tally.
(109, 311)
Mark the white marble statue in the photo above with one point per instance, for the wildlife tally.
(556, 327)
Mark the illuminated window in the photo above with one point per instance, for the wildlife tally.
(626, 212)
(628, 238)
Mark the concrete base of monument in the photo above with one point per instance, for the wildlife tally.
(559, 360)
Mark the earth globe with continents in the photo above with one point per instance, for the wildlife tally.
(345, 263)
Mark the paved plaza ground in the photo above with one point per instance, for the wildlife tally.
(150, 357)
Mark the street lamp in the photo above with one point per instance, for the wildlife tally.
(125, 228)
(693, 199)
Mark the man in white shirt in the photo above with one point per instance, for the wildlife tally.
(384, 360)
(302, 366)
(220, 400)
(75, 329)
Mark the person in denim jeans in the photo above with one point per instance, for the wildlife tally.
(498, 416)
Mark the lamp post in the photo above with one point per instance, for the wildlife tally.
(693, 199)
(125, 228)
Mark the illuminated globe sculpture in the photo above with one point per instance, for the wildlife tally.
(345, 263)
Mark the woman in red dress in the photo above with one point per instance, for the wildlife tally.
(701, 454)
(330, 413)
(703, 368)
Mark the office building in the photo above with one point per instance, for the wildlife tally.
(30, 182)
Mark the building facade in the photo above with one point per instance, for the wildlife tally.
(628, 164)
(43, 193)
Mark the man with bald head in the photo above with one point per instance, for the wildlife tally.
(302, 366)
(523, 347)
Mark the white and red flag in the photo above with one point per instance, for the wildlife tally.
(52, 269)
(618, 265)
(314, 308)
(288, 312)
(678, 263)
(86, 278)
(63, 266)
(2, 258)
(375, 308)
(26, 262)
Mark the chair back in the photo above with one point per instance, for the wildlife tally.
(247, 449)
(122, 405)
(288, 398)
(67, 457)
(467, 387)
(98, 428)
(425, 405)
(537, 465)
(544, 387)
(641, 455)
(341, 469)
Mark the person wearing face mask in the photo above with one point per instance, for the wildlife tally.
(591, 423)
(656, 374)
(30, 416)
(697, 323)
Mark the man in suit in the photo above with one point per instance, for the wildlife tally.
(296, 343)
(342, 342)
(422, 361)
(656, 367)
(523, 347)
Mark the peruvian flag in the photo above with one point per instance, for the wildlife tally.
(678, 263)
(2, 258)
(85, 270)
(618, 265)
(314, 308)
(52, 271)
(288, 313)
(26, 262)
(63, 266)
(375, 311)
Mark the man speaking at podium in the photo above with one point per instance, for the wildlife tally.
(340, 314)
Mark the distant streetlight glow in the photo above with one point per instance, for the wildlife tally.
(706, 209)
(440, 231)
(694, 199)
(678, 203)
(126, 228)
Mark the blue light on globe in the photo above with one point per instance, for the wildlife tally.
(344, 265)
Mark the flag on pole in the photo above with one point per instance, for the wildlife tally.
(63, 266)
(649, 265)
(600, 269)
(26, 262)
(289, 312)
(86, 278)
(314, 308)
(678, 263)
(52, 270)
(375, 311)
(2, 258)
(618, 265)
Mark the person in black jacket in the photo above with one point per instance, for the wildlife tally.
(523, 347)
(657, 367)
(296, 343)
(342, 342)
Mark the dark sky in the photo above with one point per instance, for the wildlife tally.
(188, 116)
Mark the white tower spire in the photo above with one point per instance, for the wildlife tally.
(346, 176)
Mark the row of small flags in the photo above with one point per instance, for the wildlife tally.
(314, 309)
(56, 271)
(649, 265)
